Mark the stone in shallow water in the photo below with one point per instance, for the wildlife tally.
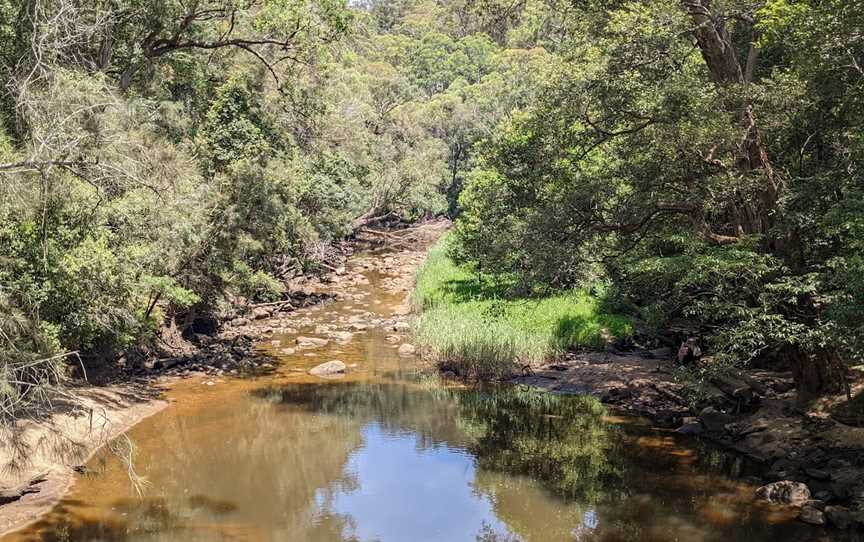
(328, 368)
(407, 350)
(812, 515)
(311, 342)
(784, 492)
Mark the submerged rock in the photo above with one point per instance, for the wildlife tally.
(311, 342)
(784, 492)
(812, 515)
(407, 350)
(342, 336)
(328, 368)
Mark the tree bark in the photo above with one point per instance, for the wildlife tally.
(715, 44)
(815, 372)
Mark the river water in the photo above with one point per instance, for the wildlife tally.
(388, 454)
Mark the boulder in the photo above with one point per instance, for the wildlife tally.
(329, 368)
(812, 515)
(784, 492)
(401, 327)
(714, 420)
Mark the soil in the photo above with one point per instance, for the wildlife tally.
(40, 458)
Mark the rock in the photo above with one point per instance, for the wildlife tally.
(392, 339)
(328, 368)
(824, 495)
(260, 313)
(713, 419)
(818, 474)
(401, 327)
(287, 351)
(341, 336)
(839, 516)
(311, 342)
(690, 426)
(812, 515)
(784, 492)
(240, 322)
(407, 350)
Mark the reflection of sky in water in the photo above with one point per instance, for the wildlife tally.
(403, 492)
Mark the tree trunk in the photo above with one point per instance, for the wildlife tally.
(816, 373)
(720, 57)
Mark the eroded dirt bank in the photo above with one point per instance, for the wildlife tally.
(39, 460)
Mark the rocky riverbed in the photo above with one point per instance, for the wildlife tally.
(809, 459)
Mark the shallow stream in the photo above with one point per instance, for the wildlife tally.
(387, 454)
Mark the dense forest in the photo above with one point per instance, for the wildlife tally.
(164, 160)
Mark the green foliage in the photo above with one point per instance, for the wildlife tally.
(476, 323)
(234, 128)
(629, 164)
(512, 428)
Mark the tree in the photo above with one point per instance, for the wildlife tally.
(661, 153)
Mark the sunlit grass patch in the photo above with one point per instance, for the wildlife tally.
(473, 324)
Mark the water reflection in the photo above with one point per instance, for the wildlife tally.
(391, 458)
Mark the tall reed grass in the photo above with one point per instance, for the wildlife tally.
(474, 325)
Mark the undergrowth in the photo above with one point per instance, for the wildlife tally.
(478, 326)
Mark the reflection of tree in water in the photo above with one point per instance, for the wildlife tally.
(562, 441)
(396, 407)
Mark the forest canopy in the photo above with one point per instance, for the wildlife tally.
(164, 160)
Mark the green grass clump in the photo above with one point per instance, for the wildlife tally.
(474, 324)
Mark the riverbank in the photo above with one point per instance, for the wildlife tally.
(54, 448)
(755, 414)
(473, 327)
(65, 441)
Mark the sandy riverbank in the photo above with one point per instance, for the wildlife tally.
(47, 452)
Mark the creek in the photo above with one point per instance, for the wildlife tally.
(388, 453)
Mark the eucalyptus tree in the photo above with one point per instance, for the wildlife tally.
(680, 149)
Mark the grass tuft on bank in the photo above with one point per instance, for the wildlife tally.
(474, 324)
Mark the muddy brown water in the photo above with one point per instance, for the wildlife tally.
(388, 454)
